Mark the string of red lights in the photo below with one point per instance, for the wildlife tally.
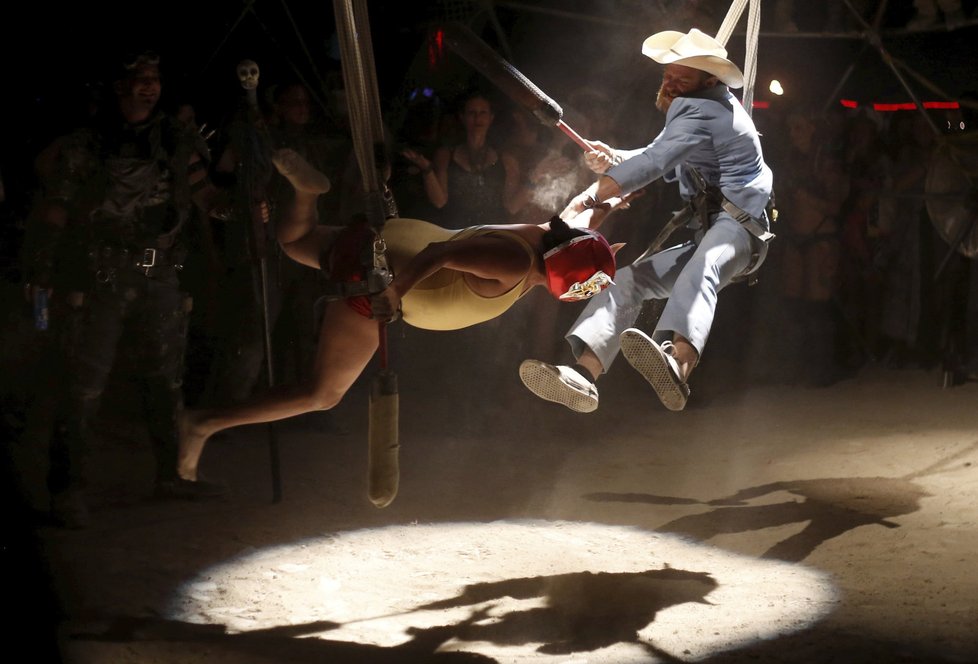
(885, 108)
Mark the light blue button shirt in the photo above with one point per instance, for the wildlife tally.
(711, 132)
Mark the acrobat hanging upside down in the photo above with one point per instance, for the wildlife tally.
(443, 280)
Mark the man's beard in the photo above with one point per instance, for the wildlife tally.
(662, 100)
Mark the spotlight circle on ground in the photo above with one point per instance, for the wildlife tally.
(529, 590)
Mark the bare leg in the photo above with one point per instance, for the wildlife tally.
(300, 172)
(686, 356)
(299, 232)
(590, 361)
(347, 342)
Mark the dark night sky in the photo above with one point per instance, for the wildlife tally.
(200, 40)
(68, 44)
(64, 40)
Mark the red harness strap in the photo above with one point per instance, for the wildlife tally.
(348, 261)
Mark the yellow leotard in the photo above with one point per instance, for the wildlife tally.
(444, 300)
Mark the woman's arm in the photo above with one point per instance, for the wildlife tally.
(436, 178)
(499, 261)
(434, 174)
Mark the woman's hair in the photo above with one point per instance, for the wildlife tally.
(559, 233)
(474, 93)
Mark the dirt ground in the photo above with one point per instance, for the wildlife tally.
(766, 523)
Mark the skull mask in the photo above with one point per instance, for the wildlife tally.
(248, 74)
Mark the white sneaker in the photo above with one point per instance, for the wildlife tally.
(657, 366)
(559, 384)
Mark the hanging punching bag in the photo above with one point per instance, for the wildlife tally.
(383, 473)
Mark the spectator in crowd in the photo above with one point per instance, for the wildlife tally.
(419, 136)
(859, 283)
(906, 250)
(472, 182)
(107, 243)
(813, 186)
(287, 298)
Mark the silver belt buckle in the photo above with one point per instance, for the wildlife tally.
(149, 259)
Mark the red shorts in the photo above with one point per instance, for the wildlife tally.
(345, 262)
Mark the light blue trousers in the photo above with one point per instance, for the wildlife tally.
(689, 275)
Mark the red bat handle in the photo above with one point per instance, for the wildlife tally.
(574, 136)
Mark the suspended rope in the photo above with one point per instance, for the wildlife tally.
(363, 106)
(730, 21)
(750, 52)
(362, 97)
(750, 57)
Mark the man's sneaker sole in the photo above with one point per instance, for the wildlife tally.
(649, 360)
(544, 381)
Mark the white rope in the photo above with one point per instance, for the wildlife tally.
(750, 53)
(730, 22)
(360, 81)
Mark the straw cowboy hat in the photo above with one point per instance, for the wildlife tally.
(694, 49)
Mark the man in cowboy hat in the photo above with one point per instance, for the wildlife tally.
(709, 145)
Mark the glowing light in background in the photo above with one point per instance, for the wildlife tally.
(436, 48)
(776, 88)
(903, 106)
(511, 596)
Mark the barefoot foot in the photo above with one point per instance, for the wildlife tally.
(300, 172)
(190, 445)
